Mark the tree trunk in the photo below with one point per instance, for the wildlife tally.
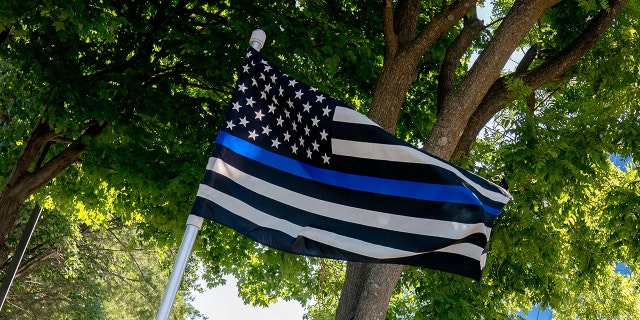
(9, 206)
(367, 288)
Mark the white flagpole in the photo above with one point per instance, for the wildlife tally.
(193, 226)
(20, 250)
(194, 223)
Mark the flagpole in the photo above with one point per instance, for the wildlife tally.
(20, 250)
(194, 223)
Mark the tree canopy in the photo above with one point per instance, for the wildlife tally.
(108, 110)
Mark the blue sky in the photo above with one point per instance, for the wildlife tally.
(537, 314)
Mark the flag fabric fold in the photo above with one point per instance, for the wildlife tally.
(296, 170)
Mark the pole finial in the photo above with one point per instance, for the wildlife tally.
(258, 37)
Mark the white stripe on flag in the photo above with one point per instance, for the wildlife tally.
(265, 220)
(354, 245)
(466, 249)
(245, 211)
(420, 226)
(399, 153)
(342, 114)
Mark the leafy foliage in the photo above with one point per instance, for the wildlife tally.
(73, 271)
(160, 73)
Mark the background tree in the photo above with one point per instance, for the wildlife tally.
(75, 271)
(136, 91)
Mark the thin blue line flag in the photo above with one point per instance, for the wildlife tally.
(296, 170)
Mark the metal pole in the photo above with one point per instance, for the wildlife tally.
(194, 223)
(20, 250)
(193, 226)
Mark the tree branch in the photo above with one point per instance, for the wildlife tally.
(390, 38)
(399, 69)
(40, 134)
(440, 23)
(458, 106)
(492, 59)
(143, 51)
(548, 72)
(35, 260)
(528, 58)
(405, 20)
(455, 51)
(135, 262)
(553, 69)
(31, 182)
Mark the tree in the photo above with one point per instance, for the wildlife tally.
(90, 74)
(74, 271)
(137, 85)
(464, 104)
(101, 81)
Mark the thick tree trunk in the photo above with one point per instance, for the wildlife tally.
(367, 290)
(368, 287)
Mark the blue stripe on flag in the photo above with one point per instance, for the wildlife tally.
(408, 189)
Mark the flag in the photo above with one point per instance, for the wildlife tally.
(296, 170)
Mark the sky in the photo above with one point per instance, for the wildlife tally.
(222, 303)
